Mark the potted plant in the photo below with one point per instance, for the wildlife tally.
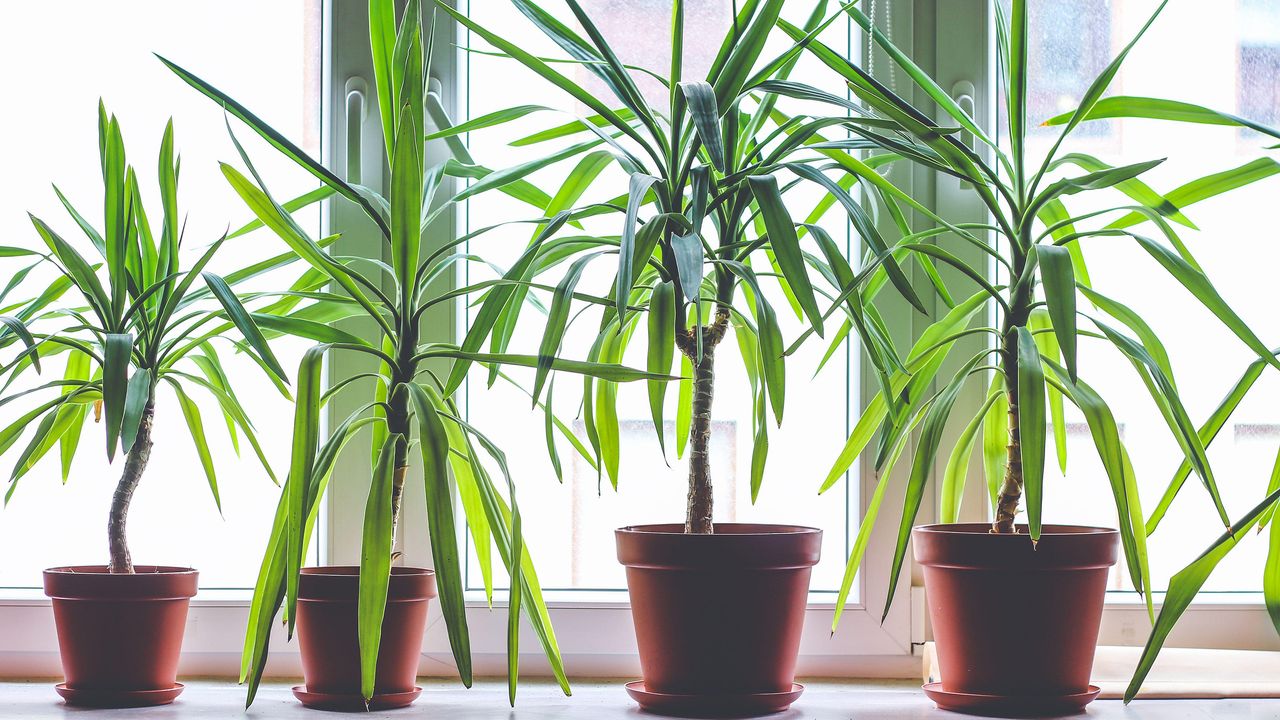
(360, 628)
(718, 607)
(1015, 608)
(141, 320)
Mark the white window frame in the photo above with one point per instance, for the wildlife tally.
(1230, 620)
(596, 634)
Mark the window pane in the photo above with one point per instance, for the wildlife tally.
(570, 524)
(1224, 59)
(268, 56)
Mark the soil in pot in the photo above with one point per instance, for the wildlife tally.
(120, 635)
(328, 637)
(1016, 624)
(718, 617)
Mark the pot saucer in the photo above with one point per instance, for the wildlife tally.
(354, 703)
(1010, 705)
(713, 706)
(99, 698)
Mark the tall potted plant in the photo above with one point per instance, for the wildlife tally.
(718, 607)
(1016, 608)
(360, 628)
(141, 320)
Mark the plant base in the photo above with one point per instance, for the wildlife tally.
(118, 698)
(120, 636)
(1015, 706)
(354, 703)
(718, 617)
(328, 638)
(713, 706)
(1016, 623)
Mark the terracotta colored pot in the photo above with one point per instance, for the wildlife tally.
(328, 636)
(1010, 618)
(120, 635)
(718, 614)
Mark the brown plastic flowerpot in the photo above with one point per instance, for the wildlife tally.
(328, 638)
(120, 635)
(718, 617)
(1014, 622)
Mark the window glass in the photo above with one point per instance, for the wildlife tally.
(569, 524)
(1224, 58)
(268, 56)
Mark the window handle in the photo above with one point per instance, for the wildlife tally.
(357, 111)
(963, 93)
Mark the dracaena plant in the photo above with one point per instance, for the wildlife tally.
(409, 403)
(1046, 308)
(130, 319)
(705, 234)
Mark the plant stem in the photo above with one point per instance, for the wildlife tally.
(398, 424)
(1011, 489)
(1020, 300)
(700, 503)
(134, 465)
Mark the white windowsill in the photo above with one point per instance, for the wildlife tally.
(592, 700)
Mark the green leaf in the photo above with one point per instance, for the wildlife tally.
(557, 321)
(544, 70)
(19, 328)
(1059, 282)
(1199, 286)
(688, 254)
(284, 145)
(433, 440)
(116, 352)
(995, 441)
(191, 413)
(244, 322)
(1031, 427)
(302, 458)
(1128, 106)
(745, 51)
(684, 405)
(772, 350)
(1210, 186)
(661, 351)
(1184, 586)
(639, 187)
(137, 396)
(406, 202)
(375, 564)
(957, 470)
(935, 421)
(786, 245)
(701, 99)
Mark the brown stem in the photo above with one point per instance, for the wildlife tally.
(698, 510)
(1011, 488)
(398, 423)
(134, 465)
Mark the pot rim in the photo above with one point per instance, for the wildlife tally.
(354, 570)
(1050, 530)
(100, 570)
(767, 530)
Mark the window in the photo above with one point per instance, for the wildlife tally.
(173, 518)
(1259, 75)
(570, 524)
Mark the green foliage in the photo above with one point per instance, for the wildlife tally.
(705, 232)
(409, 396)
(127, 317)
(1039, 242)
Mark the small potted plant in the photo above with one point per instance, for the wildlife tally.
(141, 323)
(360, 628)
(1015, 608)
(718, 607)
